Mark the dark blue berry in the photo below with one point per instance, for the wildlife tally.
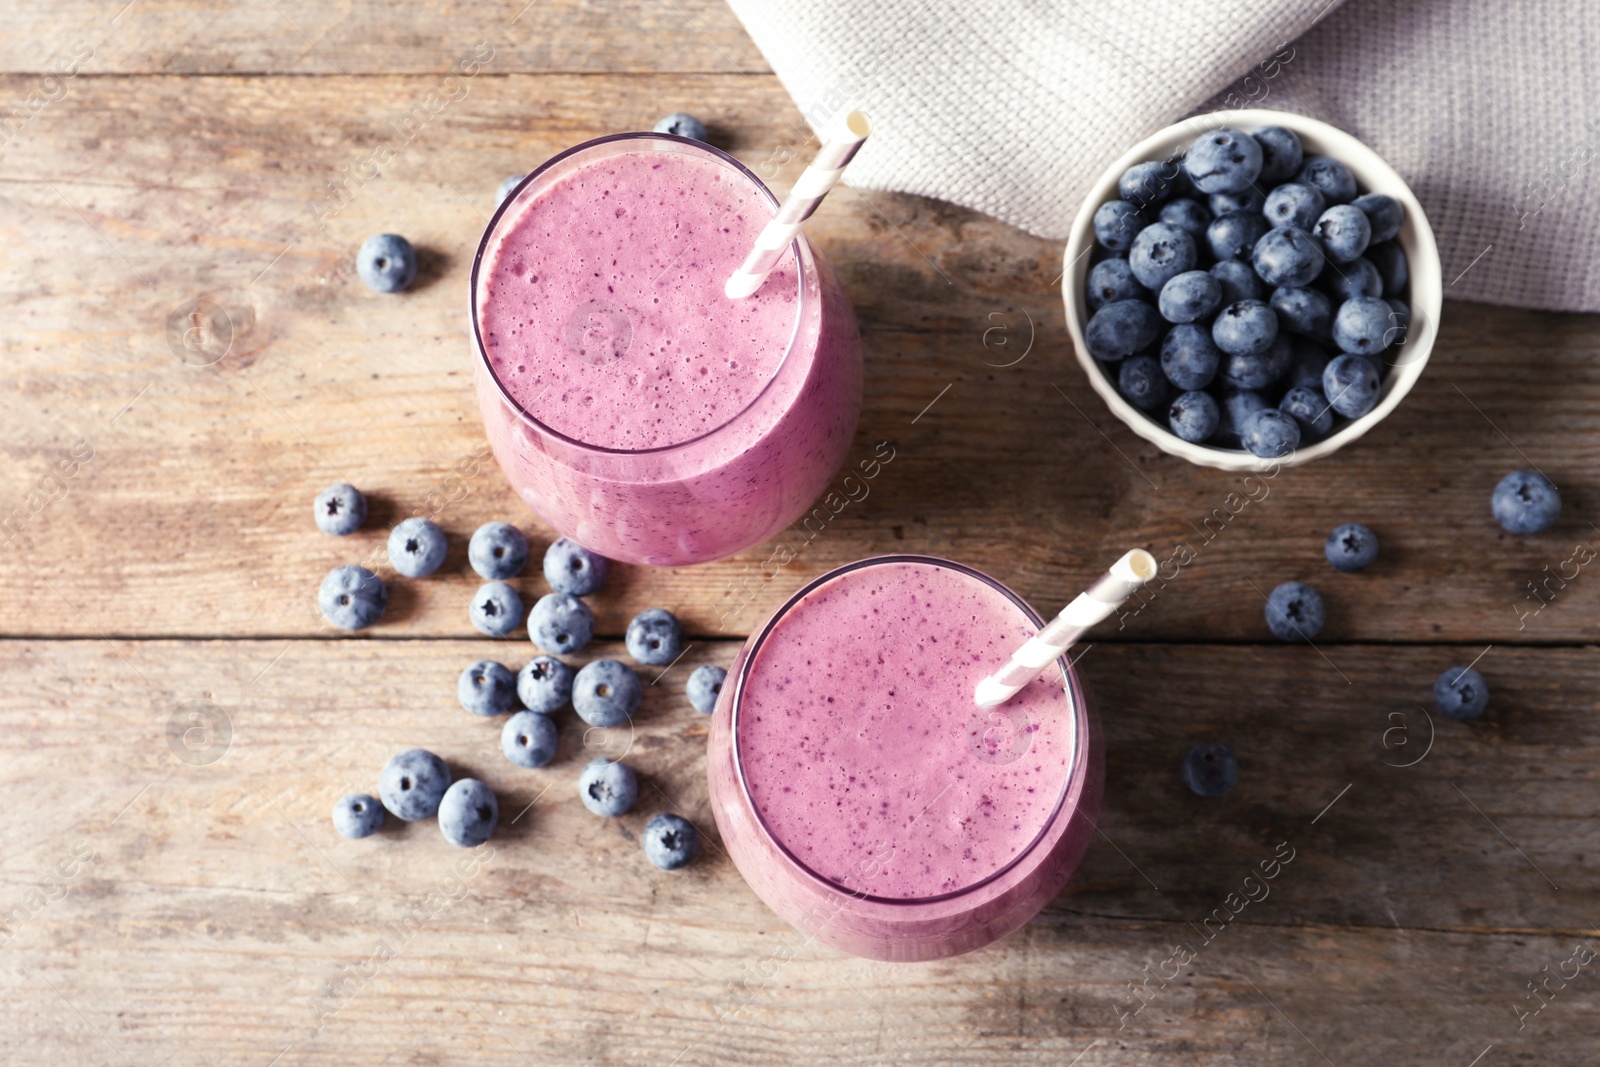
(654, 637)
(1346, 281)
(1116, 224)
(1210, 770)
(1389, 259)
(1344, 232)
(496, 609)
(1295, 612)
(1159, 253)
(1190, 216)
(387, 263)
(486, 688)
(1257, 370)
(1223, 161)
(1307, 312)
(352, 598)
(1247, 199)
(1270, 434)
(606, 693)
(416, 547)
(681, 125)
(1351, 547)
(1526, 502)
(544, 685)
(1189, 357)
(1351, 385)
(1384, 213)
(670, 841)
(412, 784)
(1141, 381)
(560, 623)
(1460, 693)
(468, 813)
(1361, 326)
(606, 788)
(1194, 416)
(1329, 177)
(1294, 205)
(1190, 296)
(1147, 184)
(1120, 329)
(497, 550)
(1234, 235)
(357, 815)
(1111, 280)
(705, 685)
(1238, 281)
(1235, 410)
(529, 739)
(1308, 407)
(1245, 328)
(1310, 361)
(340, 510)
(572, 569)
(1281, 154)
(1288, 257)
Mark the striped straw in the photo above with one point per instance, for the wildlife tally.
(1094, 605)
(821, 176)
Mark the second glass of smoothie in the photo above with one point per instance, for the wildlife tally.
(631, 404)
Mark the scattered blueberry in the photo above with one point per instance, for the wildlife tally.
(560, 622)
(705, 685)
(1142, 383)
(1390, 262)
(387, 263)
(1270, 434)
(1346, 281)
(1247, 199)
(1238, 280)
(1308, 407)
(1384, 214)
(1329, 177)
(606, 693)
(1344, 232)
(654, 637)
(545, 685)
(496, 609)
(1235, 410)
(1361, 326)
(497, 550)
(352, 598)
(1245, 328)
(1116, 224)
(1224, 161)
(529, 739)
(681, 125)
(357, 815)
(1351, 547)
(1351, 385)
(412, 784)
(468, 813)
(486, 688)
(1294, 205)
(1281, 154)
(1147, 184)
(1307, 312)
(1189, 296)
(572, 569)
(1288, 257)
(1295, 612)
(340, 509)
(1111, 280)
(606, 788)
(1210, 770)
(1460, 693)
(670, 841)
(1190, 216)
(1189, 357)
(1234, 235)
(1526, 502)
(1194, 416)
(1159, 253)
(1122, 328)
(417, 547)
(507, 187)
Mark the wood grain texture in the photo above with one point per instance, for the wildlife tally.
(212, 915)
(149, 193)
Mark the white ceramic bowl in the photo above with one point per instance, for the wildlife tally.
(1372, 174)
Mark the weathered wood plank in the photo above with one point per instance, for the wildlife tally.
(149, 193)
(206, 912)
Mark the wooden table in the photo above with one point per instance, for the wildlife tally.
(177, 720)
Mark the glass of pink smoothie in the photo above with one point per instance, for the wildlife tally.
(633, 406)
(861, 791)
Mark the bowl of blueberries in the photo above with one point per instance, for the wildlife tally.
(1250, 287)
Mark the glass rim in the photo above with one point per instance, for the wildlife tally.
(1068, 679)
(798, 247)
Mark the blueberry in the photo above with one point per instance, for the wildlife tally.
(1245, 327)
(544, 685)
(572, 569)
(1122, 328)
(1238, 281)
(412, 784)
(1247, 199)
(1295, 612)
(670, 841)
(340, 509)
(1351, 547)
(1308, 407)
(1344, 232)
(1351, 385)
(387, 263)
(468, 813)
(654, 637)
(1147, 184)
(1234, 235)
(1329, 177)
(705, 685)
(1235, 410)
(1159, 253)
(486, 688)
(496, 609)
(1460, 693)
(607, 788)
(1384, 213)
(1190, 216)
(1526, 502)
(357, 815)
(1257, 370)
(1189, 296)
(529, 739)
(1112, 280)
(1141, 382)
(1399, 322)
(560, 622)
(1189, 357)
(1309, 363)
(1361, 326)
(352, 598)
(1210, 770)
(1390, 261)
(606, 693)
(507, 187)
(1294, 205)
(497, 550)
(1194, 416)
(416, 547)
(1223, 161)
(1270, 434)
(1288, 257)
(681, 125)
(1281, 154)
(1306, 312)
(1350, 280)
(1116, 224)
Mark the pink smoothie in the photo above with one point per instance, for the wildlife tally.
(631, 403)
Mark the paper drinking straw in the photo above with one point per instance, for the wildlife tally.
(821, 176)
(1093, 605)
